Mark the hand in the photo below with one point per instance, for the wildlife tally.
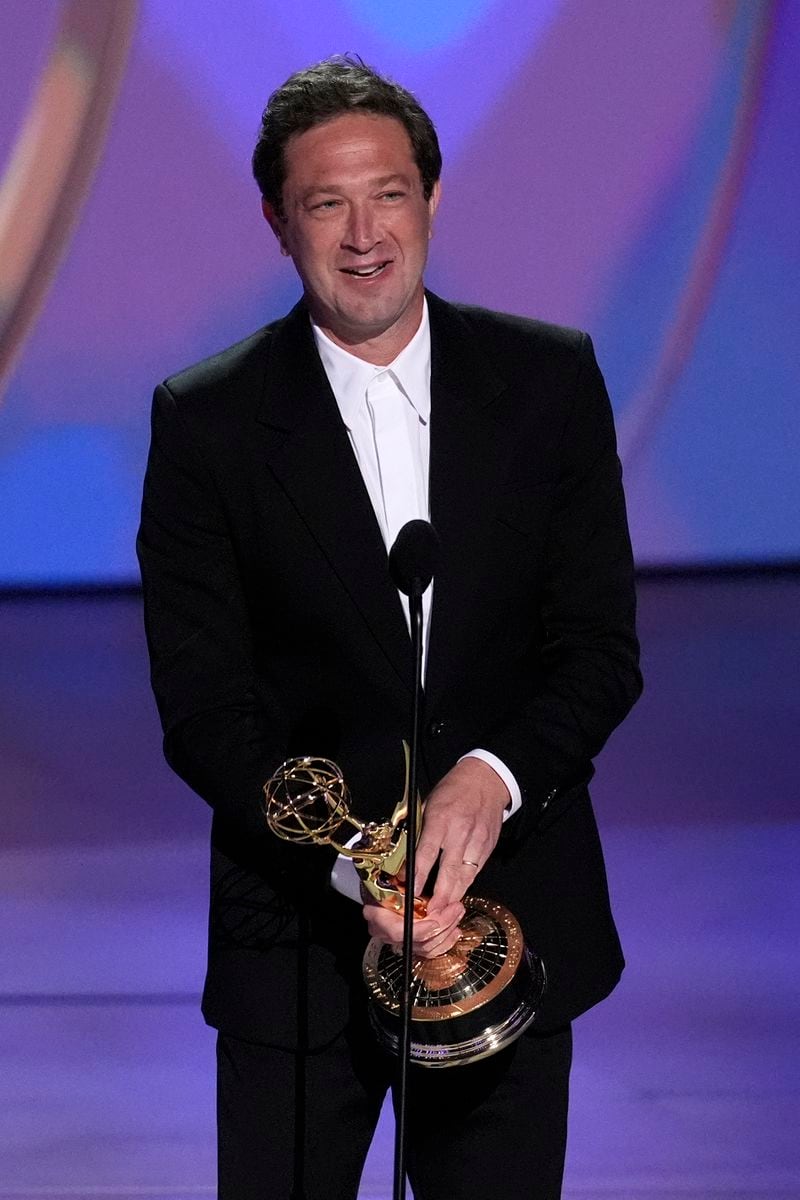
(432, 935)
(461, 824)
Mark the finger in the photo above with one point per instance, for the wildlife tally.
(448, 936)
(382, 923)
(387, 926)
(452, 882)
(433, 944)
(447, 914)
(428, 849)
(431, 940)
(429, 936)
(454, 842)
(441, 946)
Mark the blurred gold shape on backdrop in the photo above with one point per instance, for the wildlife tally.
(52, 164)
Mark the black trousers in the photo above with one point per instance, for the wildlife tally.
(298, 1127)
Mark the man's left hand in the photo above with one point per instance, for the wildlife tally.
(462, 820)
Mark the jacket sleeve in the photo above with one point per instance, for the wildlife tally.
(219, 719)
(590, 675)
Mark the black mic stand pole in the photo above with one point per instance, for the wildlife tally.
(415, 613)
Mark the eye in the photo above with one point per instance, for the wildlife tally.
(325, 205)
(392, 196)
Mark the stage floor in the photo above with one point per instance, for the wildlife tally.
(685, 1082)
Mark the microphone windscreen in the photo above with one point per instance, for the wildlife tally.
(412, 559)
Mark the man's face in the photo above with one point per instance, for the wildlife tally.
(357, 227)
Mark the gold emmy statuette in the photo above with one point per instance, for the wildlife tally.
(466, 1004)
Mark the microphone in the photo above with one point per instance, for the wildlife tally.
(412, 558)
(412, 561)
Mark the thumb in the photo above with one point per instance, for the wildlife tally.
(446, 913)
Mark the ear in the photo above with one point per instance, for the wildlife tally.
(433, 204)
(277, 224)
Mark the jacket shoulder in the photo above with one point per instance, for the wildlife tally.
(501, 324)
(238, 368)
(514, 349)
(514, 344)
(509, 329)
(223, 370)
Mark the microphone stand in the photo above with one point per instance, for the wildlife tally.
(400, 1139)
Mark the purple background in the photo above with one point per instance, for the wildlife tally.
(629, 168)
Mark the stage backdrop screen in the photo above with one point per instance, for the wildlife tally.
(632, 169)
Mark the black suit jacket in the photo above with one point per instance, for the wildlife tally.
(274, 629)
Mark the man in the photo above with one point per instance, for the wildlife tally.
(280, 472)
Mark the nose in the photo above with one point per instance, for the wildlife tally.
(361, 232)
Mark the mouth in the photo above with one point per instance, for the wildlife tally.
(369, 272)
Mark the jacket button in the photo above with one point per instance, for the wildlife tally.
(435, 728)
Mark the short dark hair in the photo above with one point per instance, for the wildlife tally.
(330, 88)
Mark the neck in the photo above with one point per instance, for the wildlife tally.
(379, 348)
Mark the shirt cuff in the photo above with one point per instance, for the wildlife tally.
(344, 877)
(508, 779)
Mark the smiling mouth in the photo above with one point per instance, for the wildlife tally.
(366, 272)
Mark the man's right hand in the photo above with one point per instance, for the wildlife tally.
(432, 935)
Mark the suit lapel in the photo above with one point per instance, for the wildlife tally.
(309, 452)
(469, 457)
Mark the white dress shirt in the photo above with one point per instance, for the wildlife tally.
(386, 412)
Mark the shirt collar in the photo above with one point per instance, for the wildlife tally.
(349, 376)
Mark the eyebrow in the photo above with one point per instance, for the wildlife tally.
(333, 189)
